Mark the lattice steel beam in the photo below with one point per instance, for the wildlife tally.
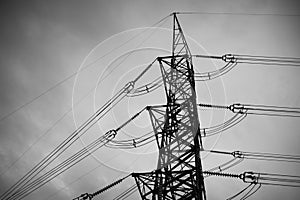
(177, 130)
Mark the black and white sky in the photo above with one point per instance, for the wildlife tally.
(43, 42)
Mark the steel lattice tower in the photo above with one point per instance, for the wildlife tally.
(177, 130)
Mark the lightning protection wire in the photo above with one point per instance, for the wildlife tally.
(82, 69)
(238, 14)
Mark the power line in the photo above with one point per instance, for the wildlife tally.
(266, 110)
(240, 110)
(68, 141)
(26, 189)
(259, 156)
(78, 132)
(125, 194)
(25, 177)
(261, 178)
(232, 60)
(65, 114)
(249, 193)
(135, 92)
(169, 128)
(74, 181)
(93, 169)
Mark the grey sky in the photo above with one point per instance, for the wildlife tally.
(42, 42)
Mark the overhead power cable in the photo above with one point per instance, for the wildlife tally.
(266, 110)
(259, 156)
(66, 186)
(71, 161)
(133, 142)
(265, 60)
(149, 137)
(65, 165)
(65, 114)
(75, 135)
(261, 178)
(66, 143)
(124, 195)
(252, 188)
(213, 130)
(48, 130)
(254, 59)
(136, 142)
(232, 60)
(240, 110)
(147, 88)
(204, 76)
(133, 92)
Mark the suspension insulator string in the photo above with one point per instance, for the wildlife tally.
(91, 196)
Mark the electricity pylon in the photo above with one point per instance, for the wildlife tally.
(177, 130)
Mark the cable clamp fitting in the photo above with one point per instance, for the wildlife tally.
(249, 177)
(237, 154)
(229, 58)
(111, 134)
(237, 108)
(129, 87)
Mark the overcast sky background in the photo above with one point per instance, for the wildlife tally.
(43, 42)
